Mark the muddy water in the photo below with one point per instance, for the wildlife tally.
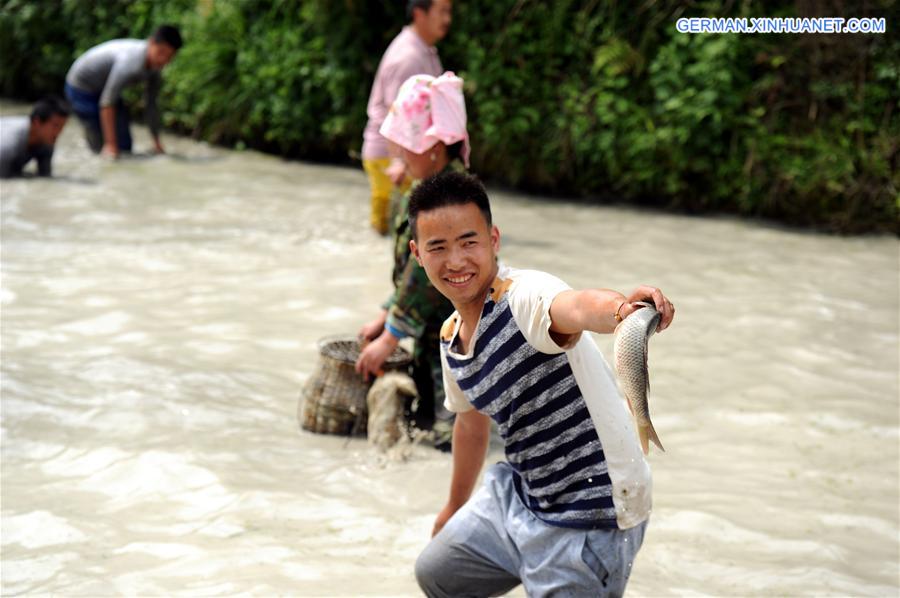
(159, 316)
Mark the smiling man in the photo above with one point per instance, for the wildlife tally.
(566, 513)
(95, 82)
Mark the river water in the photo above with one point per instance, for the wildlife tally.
(160, 315)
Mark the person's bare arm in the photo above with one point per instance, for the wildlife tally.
(108, 127)
(151, 111)
(471, 433)
(595, 310)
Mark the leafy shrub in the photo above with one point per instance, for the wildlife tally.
(586, 98)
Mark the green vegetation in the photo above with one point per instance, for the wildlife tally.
(597, 99)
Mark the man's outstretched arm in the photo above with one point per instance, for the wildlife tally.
(595, 310)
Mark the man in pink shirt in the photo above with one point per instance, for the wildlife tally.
(411, 53)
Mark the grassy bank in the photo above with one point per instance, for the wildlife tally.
(596, 99)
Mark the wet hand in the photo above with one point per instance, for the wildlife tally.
(652, 295)
(371, 330)
(442, 518)
(372, 358)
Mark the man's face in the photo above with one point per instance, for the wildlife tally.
(49, 130)
(159, 54)
(437, 19)
(458, 250)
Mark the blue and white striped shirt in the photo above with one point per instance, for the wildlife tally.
(515, 373)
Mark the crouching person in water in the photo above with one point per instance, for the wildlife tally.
(427, 124)
(566, 513)
(95, 81)
(24, 138)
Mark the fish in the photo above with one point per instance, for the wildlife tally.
(630, 350)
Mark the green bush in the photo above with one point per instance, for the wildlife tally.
(586, 98)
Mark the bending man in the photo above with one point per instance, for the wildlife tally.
(95, 82)
(24, 138)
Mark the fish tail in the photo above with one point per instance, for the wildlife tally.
(646, 433)
(649, 431)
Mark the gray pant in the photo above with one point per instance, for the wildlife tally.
(494, 543)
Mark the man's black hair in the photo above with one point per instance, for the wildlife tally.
(413, 4)
(47, 106)
(448, 189)
(168, 34)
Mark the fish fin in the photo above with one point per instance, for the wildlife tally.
(649, 431)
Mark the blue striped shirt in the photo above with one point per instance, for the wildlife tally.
(550, 440)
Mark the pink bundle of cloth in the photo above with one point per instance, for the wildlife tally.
(427, 110)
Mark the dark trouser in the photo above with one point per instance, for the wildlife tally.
(426, 372)
(87, 107)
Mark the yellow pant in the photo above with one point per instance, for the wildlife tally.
(381, 186)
